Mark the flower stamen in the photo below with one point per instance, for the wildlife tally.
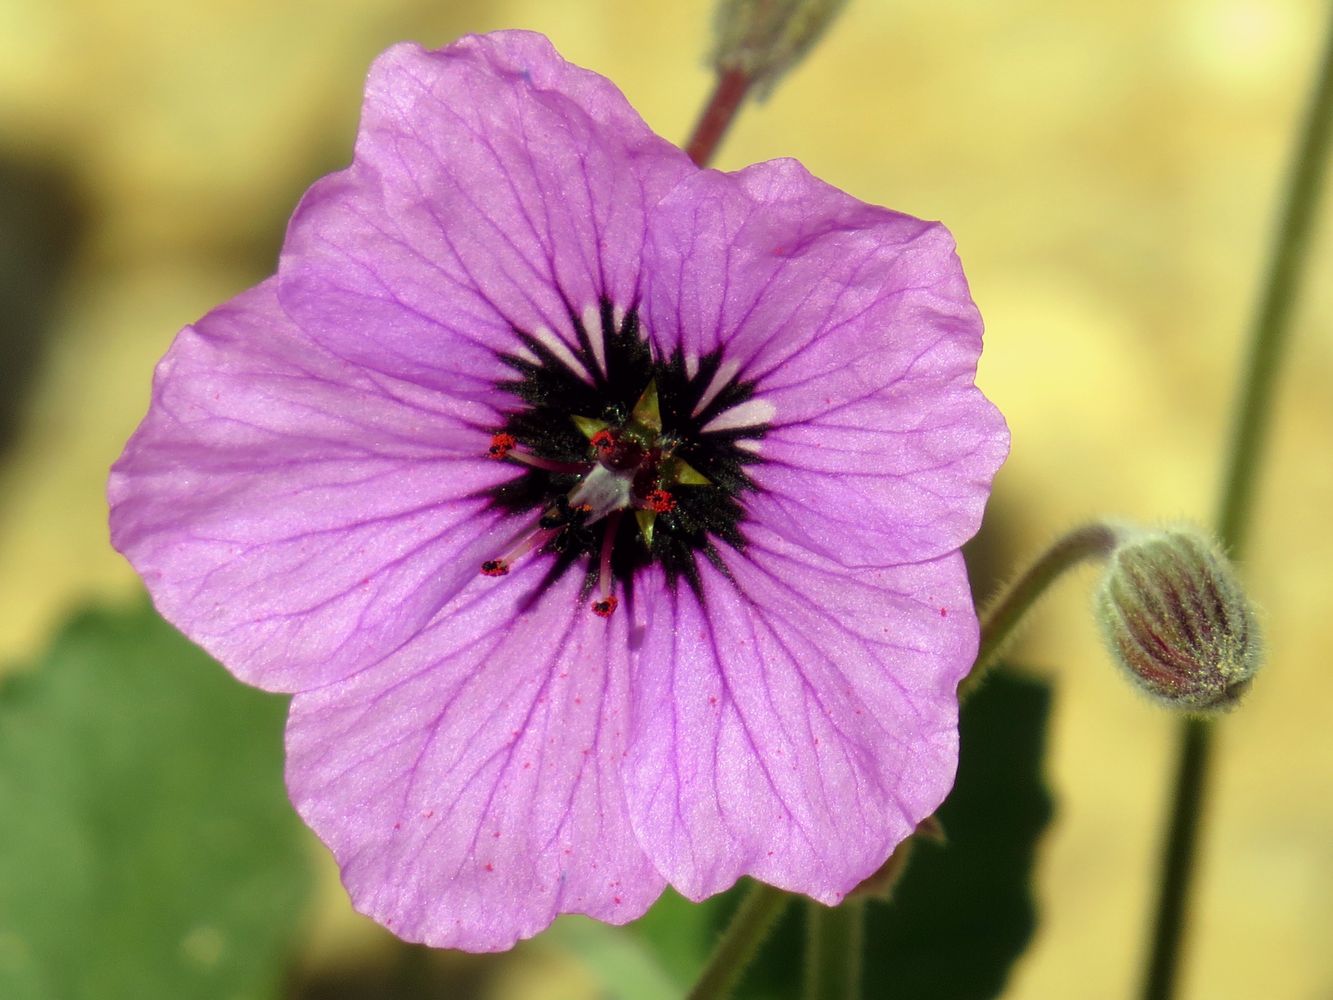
(550, 464)
(503, 446)
(607, 603)
(534, 539)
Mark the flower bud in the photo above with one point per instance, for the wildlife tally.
(1174, 615)
(765, 38)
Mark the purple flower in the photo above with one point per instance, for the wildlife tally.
(602, 513)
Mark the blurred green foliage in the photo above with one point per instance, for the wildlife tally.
(147, 848)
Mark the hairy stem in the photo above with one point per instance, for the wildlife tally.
(833, 947)
(1268, 342)
(758, 912)
(726, 100)
(1090, 541)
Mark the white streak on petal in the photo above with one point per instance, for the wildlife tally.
(751, 413)
(725, 373)
(560, 349)
(592, 322)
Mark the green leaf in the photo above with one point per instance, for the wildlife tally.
(623, 966)
(681, 934)
(147, 848)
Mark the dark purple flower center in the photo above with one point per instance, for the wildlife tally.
(619, 468)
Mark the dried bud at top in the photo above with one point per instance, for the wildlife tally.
(1175, 616)
(765, 38)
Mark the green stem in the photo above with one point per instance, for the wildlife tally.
(834, 939)
(1272, 324)
(758, 912)
(1194, 759)
(1250, 433)
(1090, 541)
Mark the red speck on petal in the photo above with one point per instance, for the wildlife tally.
(398, 826)
(490, 867)
(944, 612)
(616, 900)
(494, 567)
(428, 814)
(606, 607)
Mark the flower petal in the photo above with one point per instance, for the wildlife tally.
(294, 515)
(469, 785)
(856, 326)
(795, 722)
(495, 188)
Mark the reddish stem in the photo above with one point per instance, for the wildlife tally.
(727, 97)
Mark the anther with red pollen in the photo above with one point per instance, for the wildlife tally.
(501, 445)
(659, 501)
(606, 607)
(534, 539)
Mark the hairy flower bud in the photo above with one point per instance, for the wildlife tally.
(1174, 614)
(765, 38)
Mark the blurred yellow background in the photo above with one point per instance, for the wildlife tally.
(1111, 172)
